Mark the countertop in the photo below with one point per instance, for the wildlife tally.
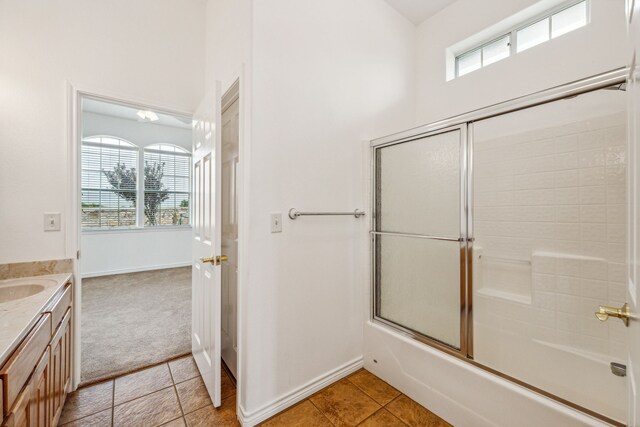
(19, 316)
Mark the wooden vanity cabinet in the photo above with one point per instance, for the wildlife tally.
(33, 393)
(60, 367)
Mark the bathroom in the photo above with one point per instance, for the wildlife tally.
(324, 85)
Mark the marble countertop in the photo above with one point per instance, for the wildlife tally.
(19, 316)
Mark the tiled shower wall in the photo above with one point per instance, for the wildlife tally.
(549, 221)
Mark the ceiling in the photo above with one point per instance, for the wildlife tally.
(126, 112)
(417, 11)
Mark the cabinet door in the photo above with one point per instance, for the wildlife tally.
(54, 398)
(66, 356)
(21, 412)
(41, 392)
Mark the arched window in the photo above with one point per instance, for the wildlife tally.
(167, 185)
(109, 177)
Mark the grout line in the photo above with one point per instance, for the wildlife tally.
(394, 399)
(113, 401)
(144, 395)
(319, 410)
(175, 419)
(89, 414)
(132, 371)
(175, 389)
(184, 381)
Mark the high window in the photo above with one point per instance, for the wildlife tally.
(125, 186)
(526, 35)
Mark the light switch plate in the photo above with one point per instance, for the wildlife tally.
(276, 222)
(52, 221)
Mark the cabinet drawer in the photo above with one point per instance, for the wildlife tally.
(59, 306)
(16, 372)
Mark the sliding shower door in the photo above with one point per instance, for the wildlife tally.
(549, 221)
(418, 236)
(498, 240)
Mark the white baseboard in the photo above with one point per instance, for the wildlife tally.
(134, 269)
(295, 396)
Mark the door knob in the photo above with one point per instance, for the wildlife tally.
(215, 260)
(621, 313)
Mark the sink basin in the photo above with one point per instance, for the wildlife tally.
(12, 290)
(12, 293)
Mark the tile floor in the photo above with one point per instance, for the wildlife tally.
(173, 394)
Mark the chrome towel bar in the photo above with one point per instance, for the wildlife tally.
(294, 213)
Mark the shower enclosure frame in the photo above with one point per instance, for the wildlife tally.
(464, 123)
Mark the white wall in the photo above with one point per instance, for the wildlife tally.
(148, 50)
(590, 50)
(138, 133)
(111, 252)
(125, 251)
(326, 76)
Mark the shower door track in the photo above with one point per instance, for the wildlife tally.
(464, 123)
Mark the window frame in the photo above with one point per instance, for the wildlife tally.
(140, 188)
(512, 33)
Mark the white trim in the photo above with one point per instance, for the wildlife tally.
(294, 396)
(145, 229)
(73, 232)
(244, 137)
(136, 269)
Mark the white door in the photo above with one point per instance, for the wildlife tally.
(633, 297)
(230, 161)
(205, 325)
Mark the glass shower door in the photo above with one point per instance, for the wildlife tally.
(549, 222)
(418, 236)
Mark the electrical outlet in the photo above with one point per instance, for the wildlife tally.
(52, 221)
(276, 223)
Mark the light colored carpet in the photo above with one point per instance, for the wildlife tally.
(134, 320)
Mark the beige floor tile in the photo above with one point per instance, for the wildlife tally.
(87, 401)
(377, 389)
(183, 369)
(151, 410)
(175, 423)
(193, 395)
(304, 414)
(344, 403)
(227, 388)
(140, 383)
(382, 418)
(414, 414)
(209, 416)
(101, 419)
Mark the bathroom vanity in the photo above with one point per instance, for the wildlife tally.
(35, 349)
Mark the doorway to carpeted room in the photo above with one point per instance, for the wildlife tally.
(134, 320)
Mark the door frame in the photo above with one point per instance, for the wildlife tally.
(73, 234)
(232, 95)
(466, 120)
(239, 77)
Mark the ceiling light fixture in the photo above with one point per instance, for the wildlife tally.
(147, 116)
